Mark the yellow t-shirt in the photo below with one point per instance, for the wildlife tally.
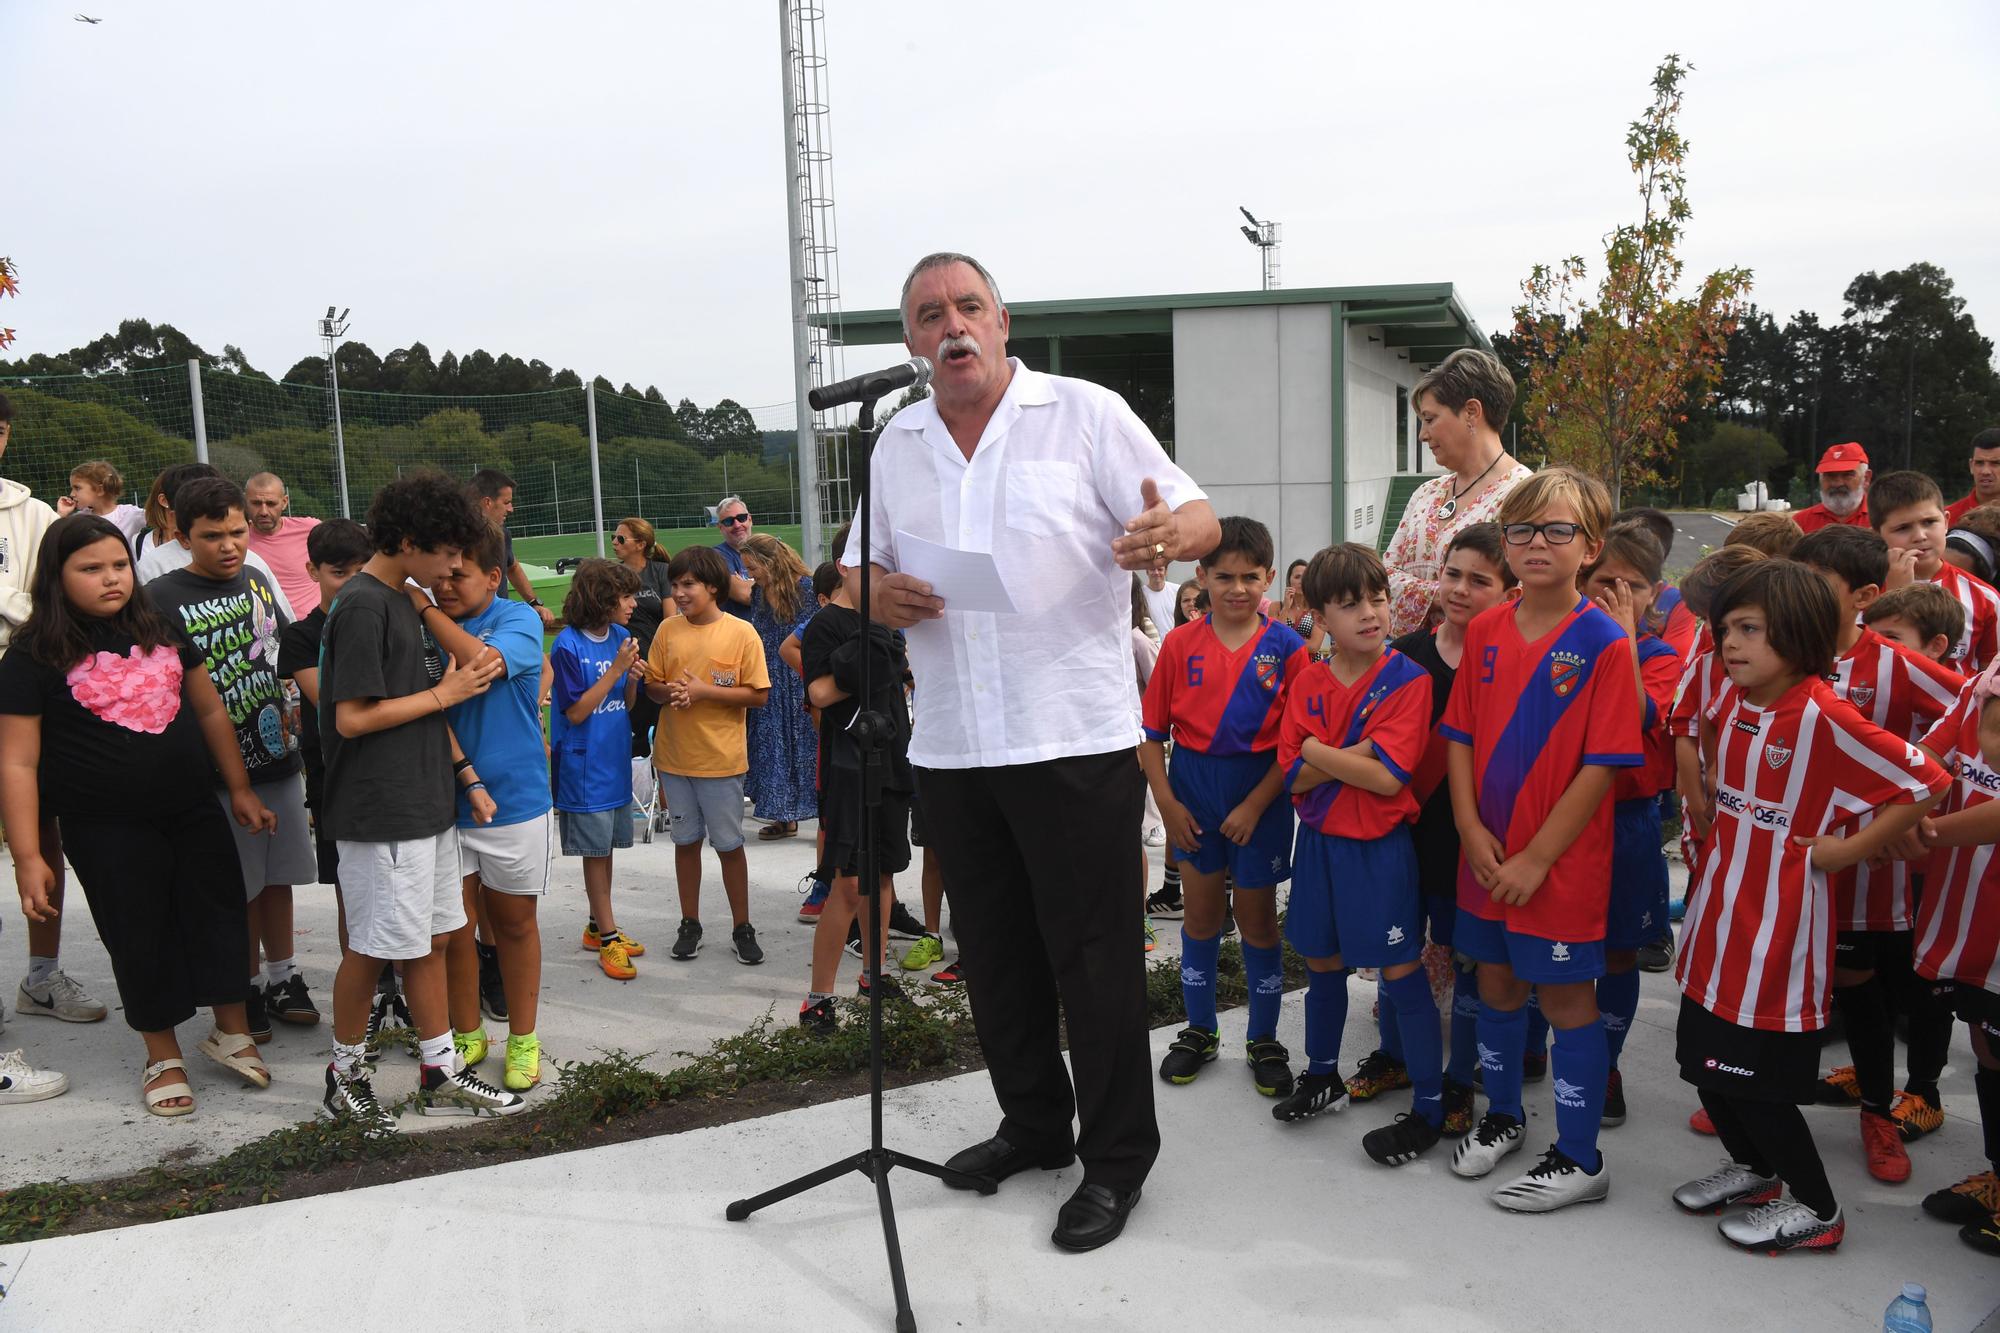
(705, 740)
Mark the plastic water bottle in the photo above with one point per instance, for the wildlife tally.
(1907, 1313)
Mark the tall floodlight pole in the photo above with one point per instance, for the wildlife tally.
(807, 447)
(333, 328)
(1263, 235)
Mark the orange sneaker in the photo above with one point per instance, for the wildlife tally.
(1883, 1144)
(614, 957)
(592, 941)
(1915, 1116)
(1700, 1123)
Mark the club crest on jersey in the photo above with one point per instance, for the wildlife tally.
(1861, 695)
(1266, 666)
(1777, 754)
(1565, 672)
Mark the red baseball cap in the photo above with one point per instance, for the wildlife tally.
(1849, 457)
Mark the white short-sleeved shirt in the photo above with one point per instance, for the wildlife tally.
(165, 557)
(1052, 483)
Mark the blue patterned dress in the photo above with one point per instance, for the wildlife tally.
(784, 748)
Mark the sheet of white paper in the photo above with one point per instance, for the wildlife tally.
(967, 580)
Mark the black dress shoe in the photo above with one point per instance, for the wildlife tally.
(1093, 1216)
(996, 1159)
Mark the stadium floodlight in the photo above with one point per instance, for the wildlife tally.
(1263, 235)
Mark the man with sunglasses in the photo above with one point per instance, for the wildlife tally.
(733, 517)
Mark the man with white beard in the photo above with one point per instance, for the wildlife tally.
(1843, 490)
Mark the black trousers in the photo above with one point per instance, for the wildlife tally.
(166, 893)
(1041, 867)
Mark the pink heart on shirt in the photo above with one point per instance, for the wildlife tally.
(139, 692)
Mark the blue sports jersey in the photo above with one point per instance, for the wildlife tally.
(593, 759)
(501, 730)
(1204, 697)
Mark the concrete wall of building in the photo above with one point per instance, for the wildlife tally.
(1253, 416)
(1376, 374)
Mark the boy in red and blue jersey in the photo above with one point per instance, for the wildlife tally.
(1218, 693)
(1543, 713)
(1621, 581)
(1355, 730)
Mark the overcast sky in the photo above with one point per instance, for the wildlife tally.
(601, 185)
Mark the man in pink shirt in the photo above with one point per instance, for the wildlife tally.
(280, 539)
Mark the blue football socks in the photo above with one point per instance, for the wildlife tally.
(1198, 958)
(1389, 1039)
(1503, 1035)
(1617, 1002)
(1326, 1018)
(1264, 974)
(1423, 1041)
(1464, 1027)
(1580, 1071)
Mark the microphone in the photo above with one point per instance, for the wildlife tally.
(917, 371)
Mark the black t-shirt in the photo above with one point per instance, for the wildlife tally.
(649, 606)
(831, 646)
(235, 623)
(298, 650)
(387, 786)
(119, 736)
(1436, 832)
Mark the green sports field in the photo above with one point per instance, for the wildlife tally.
(538, 555)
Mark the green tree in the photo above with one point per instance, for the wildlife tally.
(1610, 375)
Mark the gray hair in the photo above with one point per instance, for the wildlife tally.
(944, 259)
(727, 501)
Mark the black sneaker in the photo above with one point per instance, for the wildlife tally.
(1378, 1072)
(290, 1002)
(1405, 1139)
(1228, 919)
(891, 988)
(260, 1018)
(819, 1019)
(1166, 904)
(1313, 1094)
(461, 1092)
(492, 990)
(1534, 1068)
(903, 925)
(687, 943)
(1657, 956)
(1192, 1049)
(388, 1019)
(353, 1098)
(1270, 1067)
(742, 943)
(1614, 1100)
(1458, 1106)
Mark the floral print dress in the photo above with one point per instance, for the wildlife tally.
(1416, 553)
(784, 748)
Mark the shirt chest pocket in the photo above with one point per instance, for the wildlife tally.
(1041, 497)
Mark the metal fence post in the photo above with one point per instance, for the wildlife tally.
(200, 421)
(596, 482)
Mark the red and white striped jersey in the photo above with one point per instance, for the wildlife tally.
(1701, 685)
(1958, 921)
(1757, 949)
(1905, 694)
(1981, 640)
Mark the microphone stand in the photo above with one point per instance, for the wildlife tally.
(871, 732)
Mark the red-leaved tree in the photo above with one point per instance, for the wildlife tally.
(1611, 375)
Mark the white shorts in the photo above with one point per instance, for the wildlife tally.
(284, 856)
(509, 858)
(400, 894)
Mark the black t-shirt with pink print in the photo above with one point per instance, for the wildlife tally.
(118, 734)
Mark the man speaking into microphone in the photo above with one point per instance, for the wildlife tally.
(1027, 725)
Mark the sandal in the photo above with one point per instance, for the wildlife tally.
(773, 831)
(166, 1092)
(237, 1052)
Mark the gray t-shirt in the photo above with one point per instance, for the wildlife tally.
(394, 785)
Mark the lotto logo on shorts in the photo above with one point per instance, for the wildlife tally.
(1737, 1070)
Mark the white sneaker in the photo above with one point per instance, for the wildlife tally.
(1733, 1184)
(1156, 836)
(462, 1092)
(1554, 1182)
(21, 1082)
(1781, 1225)
(58, 997)
(1492, 1139)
